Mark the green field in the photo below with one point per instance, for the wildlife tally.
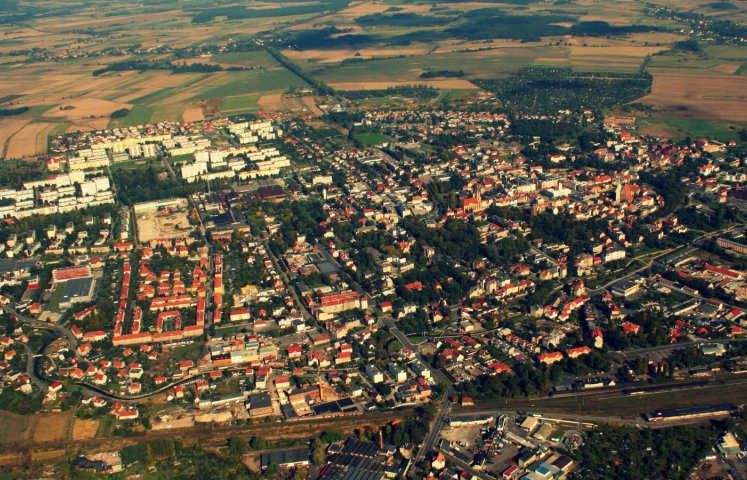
(139, 115)
(678, 126)
(371, 139)
(253, 81)
(703, 129)
(240, 104)
(500, 62)
(246, 59)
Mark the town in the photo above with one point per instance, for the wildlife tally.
(447, 271)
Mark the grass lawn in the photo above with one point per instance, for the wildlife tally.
(371, 139)
(177, 82)
(11, 476)
(12, 426)
(106, 426)
(60, 129)
(165, 113)
(187, 352)
(54, 300)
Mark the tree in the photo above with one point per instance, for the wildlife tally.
(258, 443)
(237, 446)
(300, 473)
(318, 456)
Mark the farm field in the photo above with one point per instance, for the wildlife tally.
(64, 95)
(71, 98)
(699, 93)
(14, 427)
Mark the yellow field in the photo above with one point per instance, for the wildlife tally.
(29, 141)
(84, 429)
(50, 427)
(703, 94)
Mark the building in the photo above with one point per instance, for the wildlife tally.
(260, 404)
(79, 290)
(360, 460)
(732, 245)
(686, 413)
(340, 302)
(374, 374)
(290, 458)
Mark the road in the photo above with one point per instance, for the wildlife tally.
(284, 276)
(31, 369)
(437, 374)
(647, 265)
(691, 246)
(444, 404)
(36, 323)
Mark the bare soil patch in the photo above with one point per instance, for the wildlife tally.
(729, 68)
(193, 114)
(85, 429)
(83, 110)
(311, 104)
(338, 55)
(152, 225)
(8, 128)
(271, 102)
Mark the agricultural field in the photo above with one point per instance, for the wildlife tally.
(51, 62)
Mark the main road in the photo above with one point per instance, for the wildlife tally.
(36, 323)
(444, 404)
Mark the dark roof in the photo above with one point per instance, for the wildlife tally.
(562, 462)
(337, 406)
(355, 460)
(75, 288)
(359, 448)
(274, 191)
(85, 464)
(285, 457)
(260, 400)
(689, 411)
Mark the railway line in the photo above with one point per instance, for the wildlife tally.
(211, 433)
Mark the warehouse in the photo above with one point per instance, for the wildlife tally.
(686, 413)
(291, 458)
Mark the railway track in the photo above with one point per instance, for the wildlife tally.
(210, 433)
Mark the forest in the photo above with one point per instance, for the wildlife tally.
(145, 65)
(149, 183)
(549, 90)
(419, 92)
(241, 12)
(401, 20)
